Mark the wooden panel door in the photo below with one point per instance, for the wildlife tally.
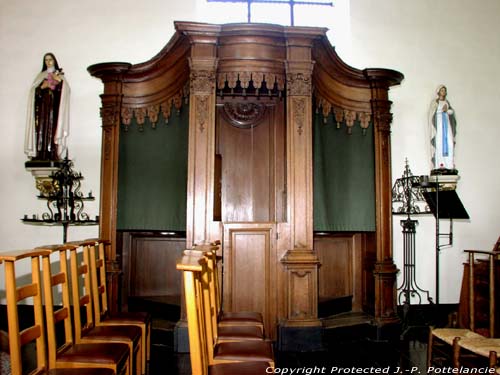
(249, 281)
(250, 161)
(149, 266)
(340, 273)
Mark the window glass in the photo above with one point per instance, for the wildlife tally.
(271, 13)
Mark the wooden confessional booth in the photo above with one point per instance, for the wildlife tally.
(259, 136)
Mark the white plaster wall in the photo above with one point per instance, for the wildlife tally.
(455, 42)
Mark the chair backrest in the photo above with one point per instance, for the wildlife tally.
(81, 290)
(55, 316)
(208, 290)
(492, 257)
(15, 294)
(98, 277)
(192, 267)
(210, 251)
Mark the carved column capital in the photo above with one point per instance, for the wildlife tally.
(202, 82)
(110, 110)
(299, 83)
(382, 116)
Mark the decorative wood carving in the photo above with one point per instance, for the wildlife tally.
(364, 120)
(299, 114)
(298, 84)
(244, 115)
(339, 115)
(152, 111)
(343, 115)
(258, 79)
(202, 111)
(202, 81)
(350, 117)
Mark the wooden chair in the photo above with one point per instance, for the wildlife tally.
(224, 352)
(18, 338)
(102, 314)
(68, 354)
(481, 351)
(445, 344)
(223, 333)
(85, 329)
(233, 318)
(191, 267)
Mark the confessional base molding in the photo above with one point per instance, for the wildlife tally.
(181, 337)
(293, 338)
(300, 339)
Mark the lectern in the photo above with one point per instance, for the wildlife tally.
(444, 203)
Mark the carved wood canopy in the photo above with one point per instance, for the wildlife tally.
(247, 55)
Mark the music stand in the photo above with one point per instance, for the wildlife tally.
(444, 203)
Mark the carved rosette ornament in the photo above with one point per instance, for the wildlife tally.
(244, 115)
(298, 84)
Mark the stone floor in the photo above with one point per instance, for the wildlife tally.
(349, 344)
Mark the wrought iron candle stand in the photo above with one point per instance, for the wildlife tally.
(408, 200)
(65, 201)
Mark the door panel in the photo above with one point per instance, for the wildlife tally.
(249, 283)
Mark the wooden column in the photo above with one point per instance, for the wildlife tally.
(385, 270)
(202, 99)
(111, 75)
(201, 153)
(300, 261)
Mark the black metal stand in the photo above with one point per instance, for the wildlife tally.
(444, 203)
(65, 201)
(407, 195)
(409, 287)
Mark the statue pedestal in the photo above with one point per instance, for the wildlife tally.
(445, 181)
(42, 170)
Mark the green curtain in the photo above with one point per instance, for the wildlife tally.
(152, 174)
(344, 172)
